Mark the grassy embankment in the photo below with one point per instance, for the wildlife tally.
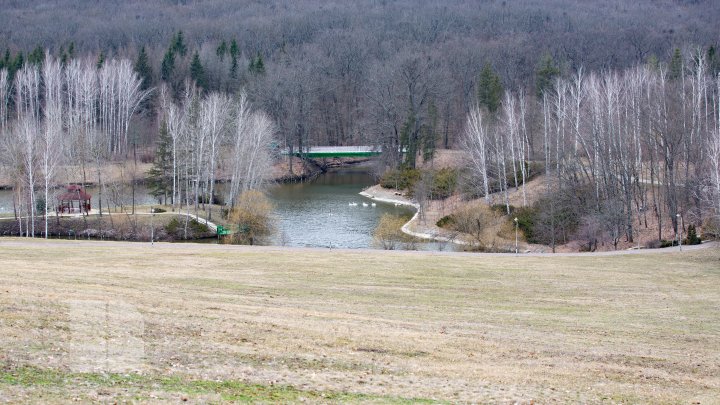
(221, 322)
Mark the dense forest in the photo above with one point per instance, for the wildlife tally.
(354, 72)
(617, 102)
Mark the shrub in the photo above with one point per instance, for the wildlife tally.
(400, 179)
(472, 219)
(692, 238)
(502, 209)
(172, 226)
(446, 221)
(252, 215)
(444, 182)
(653, 244)
(526, 221)
(668, 243)
(198, 227)
(388, 234)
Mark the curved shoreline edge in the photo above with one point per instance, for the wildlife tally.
(405, 228)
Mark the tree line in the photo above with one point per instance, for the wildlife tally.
(78, 114)
(368, 72)
(619, 147)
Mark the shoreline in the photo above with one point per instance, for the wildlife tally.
(406, 202)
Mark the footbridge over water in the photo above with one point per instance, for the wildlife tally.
(319, 152)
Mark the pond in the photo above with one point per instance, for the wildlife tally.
(328, 211)
(325, 212)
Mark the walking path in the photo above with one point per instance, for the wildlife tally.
(377, 193)
(212, 226)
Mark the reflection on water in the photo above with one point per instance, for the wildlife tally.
(313, 214)
(319, 213)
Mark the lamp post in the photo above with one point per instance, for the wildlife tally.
(152, 228)
(679, 231)
(516, 235)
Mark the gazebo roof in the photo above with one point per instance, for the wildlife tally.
(74, 193)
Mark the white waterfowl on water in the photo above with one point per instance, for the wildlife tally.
(365, 204)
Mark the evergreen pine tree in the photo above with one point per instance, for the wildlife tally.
(653, 62)
(197, 72)
(101, 60)
(489, 89)
(37, 56)
(19, 62)
(713, 61)
(221, 50)
(234, 49)
(168, 65)
(178, 44)
(675, 66)
(160, 175)
(429, 133)
(71, 50)
(259, 64)
(143, 69)
(545, 75)
(692, 237)
(233, 69)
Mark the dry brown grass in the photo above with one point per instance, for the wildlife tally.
(619, 329)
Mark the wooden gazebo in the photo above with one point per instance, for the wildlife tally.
(74, 201)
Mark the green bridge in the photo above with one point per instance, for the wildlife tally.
(319, 152)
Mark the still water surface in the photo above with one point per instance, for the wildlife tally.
(311, 214)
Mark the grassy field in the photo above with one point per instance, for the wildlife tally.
(109, 321)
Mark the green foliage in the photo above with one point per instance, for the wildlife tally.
(444, 183)
(490, 89)
(428, 133)
(653, 63)
(526, 221)
(143, 69)
(233, 391)
(168, 65)
(234, 49)
(159, 177)
(36, 57)
(545, 75)
(713, 61)
(501, 208)
(40, 205)
(234, 69)
(221, 50)
(692, 236)
(197, 72)
(257, 65)
(178, 44)
(400, 179)
(175, 227)
(676, 65)
(448, 221)
(101, 60)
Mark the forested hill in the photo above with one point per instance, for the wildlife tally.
(327, 67)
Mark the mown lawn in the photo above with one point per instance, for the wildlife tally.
(111, 321)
